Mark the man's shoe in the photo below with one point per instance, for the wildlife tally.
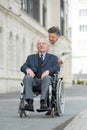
(29, 105)
(48, 113)
(43, 105)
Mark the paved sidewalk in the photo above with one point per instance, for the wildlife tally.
(9, 117)
(79, 122)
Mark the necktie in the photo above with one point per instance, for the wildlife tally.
(41, 57)
(40, 62)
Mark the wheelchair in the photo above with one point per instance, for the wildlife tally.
(55, 98)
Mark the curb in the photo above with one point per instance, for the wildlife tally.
(79, 122)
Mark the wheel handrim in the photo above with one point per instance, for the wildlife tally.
(60, 98)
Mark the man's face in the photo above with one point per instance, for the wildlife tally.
(53, 37)
(42, 46)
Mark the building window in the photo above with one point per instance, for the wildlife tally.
(62, 16)
(33, 9)
(83, 44)
(44, 13)
(83, 12)
(83, 28)
(83, 1)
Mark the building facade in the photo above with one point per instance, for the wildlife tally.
(79, 36)
(22, 22)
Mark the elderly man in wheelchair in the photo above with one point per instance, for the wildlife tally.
(40, 74)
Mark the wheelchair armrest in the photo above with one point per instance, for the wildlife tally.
(56, 73)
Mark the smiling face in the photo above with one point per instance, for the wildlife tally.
(42, 45)
(53, 37)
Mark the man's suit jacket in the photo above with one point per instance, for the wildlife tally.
(50, 63)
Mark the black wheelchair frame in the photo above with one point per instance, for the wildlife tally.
(55, 99)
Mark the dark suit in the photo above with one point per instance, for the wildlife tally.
(50, 63)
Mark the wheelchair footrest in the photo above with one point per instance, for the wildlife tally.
(27, 109)
(42, 110)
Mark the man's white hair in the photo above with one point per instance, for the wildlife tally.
(41, 38)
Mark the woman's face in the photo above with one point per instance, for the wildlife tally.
(53, 37)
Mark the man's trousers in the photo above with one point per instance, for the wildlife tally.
(30, 82)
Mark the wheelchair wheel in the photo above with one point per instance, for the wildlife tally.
(53, 112)
(21, 108)
(21, 113)
(59, 98)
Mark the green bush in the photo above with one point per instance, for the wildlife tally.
(82, 82)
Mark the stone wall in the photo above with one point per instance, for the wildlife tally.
(18, 35)
(17, 40)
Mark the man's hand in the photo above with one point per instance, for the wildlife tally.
(44, 74)
(60, 61)
(30, 72)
